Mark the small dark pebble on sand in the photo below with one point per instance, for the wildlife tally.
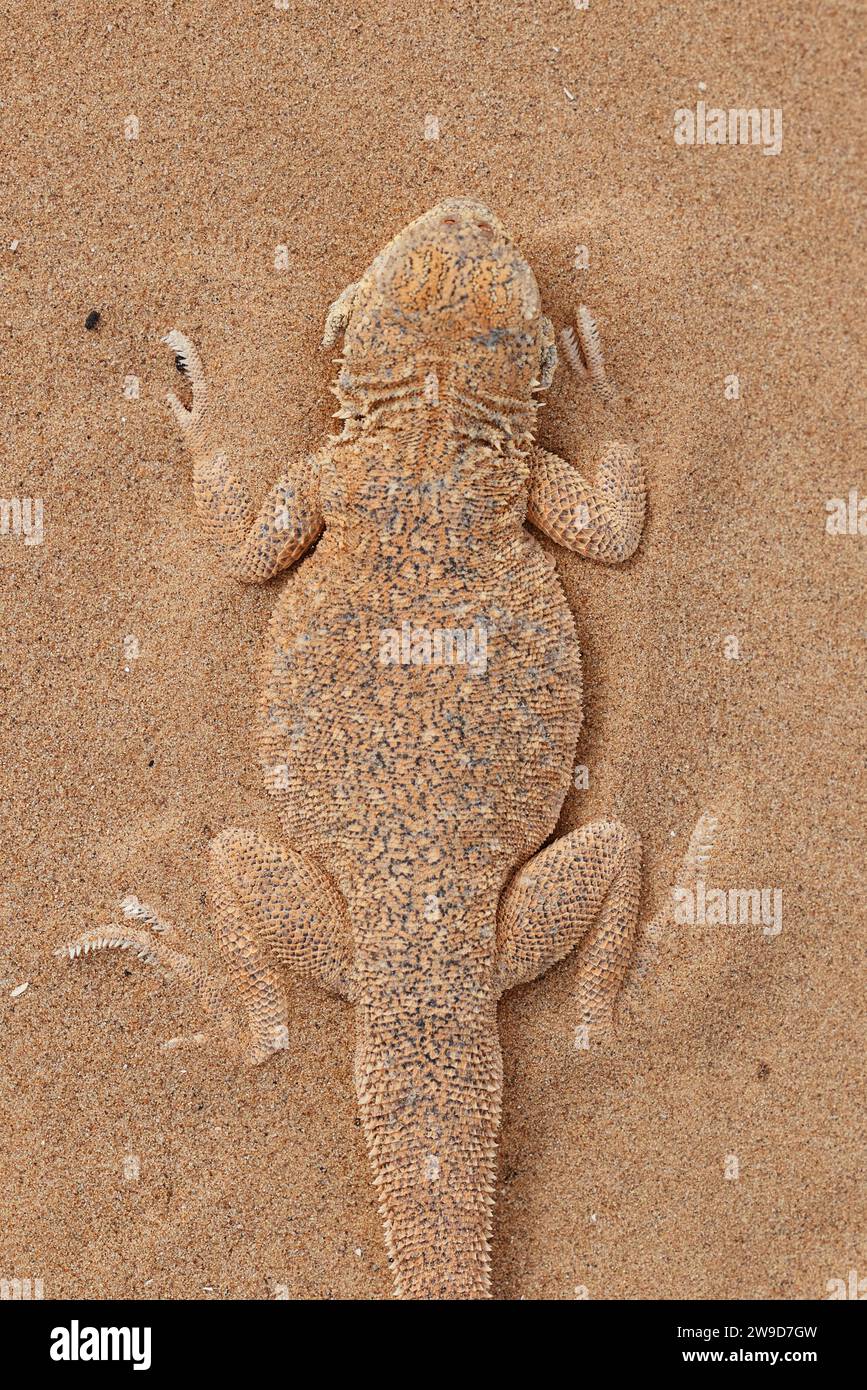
(92, 320)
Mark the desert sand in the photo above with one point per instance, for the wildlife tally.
(227, 170)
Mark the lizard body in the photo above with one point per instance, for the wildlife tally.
(420, 710)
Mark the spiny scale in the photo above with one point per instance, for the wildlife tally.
(412, 790)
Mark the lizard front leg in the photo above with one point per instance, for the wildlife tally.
(603, 519)
(583, 889)
(254, 548)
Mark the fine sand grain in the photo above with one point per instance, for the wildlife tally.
(133, 1172)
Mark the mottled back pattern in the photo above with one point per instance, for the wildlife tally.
(433, 781)
(421, 705)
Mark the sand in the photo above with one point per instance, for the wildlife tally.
(132, 1172)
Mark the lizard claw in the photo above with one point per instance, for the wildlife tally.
(134, 910)
(140, 934)
(191, 365)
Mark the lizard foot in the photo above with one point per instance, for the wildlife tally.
(584, 353)
(191, 365)
(698, 854)
(140, 934)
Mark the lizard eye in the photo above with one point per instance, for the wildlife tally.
(449, 221)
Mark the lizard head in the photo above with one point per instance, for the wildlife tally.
(457, 269)
(452, 280)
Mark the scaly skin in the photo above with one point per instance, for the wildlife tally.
(414, 794)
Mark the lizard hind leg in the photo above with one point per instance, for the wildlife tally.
(581, 890)
(276, 908)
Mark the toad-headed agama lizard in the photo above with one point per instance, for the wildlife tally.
(415, 781)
